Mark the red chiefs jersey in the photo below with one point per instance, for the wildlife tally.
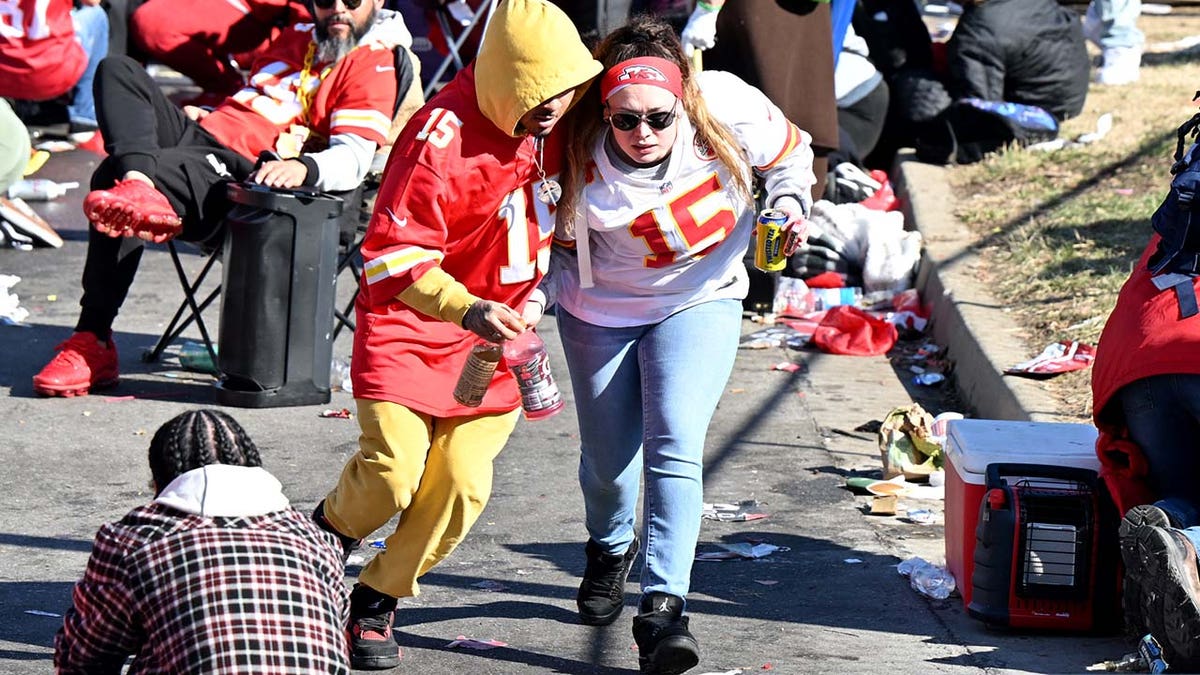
(354, 96)
(39, 57)
(457, 193)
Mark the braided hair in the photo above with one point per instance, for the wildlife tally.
(197, 438)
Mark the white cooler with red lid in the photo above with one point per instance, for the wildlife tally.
(973, 444)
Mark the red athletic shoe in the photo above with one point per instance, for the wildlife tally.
(81, 364)
(132, 208)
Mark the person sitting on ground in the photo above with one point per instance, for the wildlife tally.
(321, 99)
(210, 40)
(1019, 51)
(1146, 405)
(53, 54)
(218, 573)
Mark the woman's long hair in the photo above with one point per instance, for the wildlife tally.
(641, 36)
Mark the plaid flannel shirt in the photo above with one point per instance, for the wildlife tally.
(194, 594)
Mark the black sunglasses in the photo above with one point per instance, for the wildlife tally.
(627, 121)
(326, 4)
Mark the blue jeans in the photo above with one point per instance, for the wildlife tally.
(1118, 22)
(91, 31)
(1162, 413)
(644, 396)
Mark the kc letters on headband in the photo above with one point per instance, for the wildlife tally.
(649, 70)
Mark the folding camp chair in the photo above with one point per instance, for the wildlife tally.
(456, 20)
(409, 99)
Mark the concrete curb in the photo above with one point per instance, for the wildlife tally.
(966, 319)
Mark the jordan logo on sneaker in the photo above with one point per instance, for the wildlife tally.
(665, 607)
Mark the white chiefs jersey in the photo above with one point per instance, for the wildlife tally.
(655, 247)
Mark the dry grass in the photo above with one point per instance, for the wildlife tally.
(1058, 232)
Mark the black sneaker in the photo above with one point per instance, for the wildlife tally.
(348, 543)
(1173, 578)
(601, 595)
(372, 646)
(665, 646)
(1132, 591)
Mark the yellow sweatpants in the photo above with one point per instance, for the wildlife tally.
(435, 472)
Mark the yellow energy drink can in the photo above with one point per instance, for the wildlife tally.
(769, 250)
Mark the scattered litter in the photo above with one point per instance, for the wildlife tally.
(740, 512)
(378, 543)
(1130, 663)
(11, 311)
(741, 550)
(39, 189)
(343, 414)
(339, 374)
(1124, 192)
(926, 578)
(894, 486)
(473, 643)
(920, 516)
(853, 561)
(523, 573)
(766, 582)
(54, 146)
(52, 298)
(786, 366)
(1104, 124)
(1152, 654)
(883, 505)
(38, 612)
(1057, 358)
(905, 443)
(356, 559)
(87, 413)
(195, 357)
(489, 585)
(775, 336)
(929, 379)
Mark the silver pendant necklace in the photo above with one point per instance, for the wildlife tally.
(549, 191)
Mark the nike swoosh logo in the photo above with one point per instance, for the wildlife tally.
(384, 69)
(400, 222)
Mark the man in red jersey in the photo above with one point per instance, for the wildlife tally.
(321, 98)
(458, 242)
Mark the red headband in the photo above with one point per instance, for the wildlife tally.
(649, 70)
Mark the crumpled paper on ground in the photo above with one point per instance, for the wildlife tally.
(906, 443)
(11, 311)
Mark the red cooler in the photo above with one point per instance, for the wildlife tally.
(971, 445)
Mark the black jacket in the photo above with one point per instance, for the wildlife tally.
(1023, 51)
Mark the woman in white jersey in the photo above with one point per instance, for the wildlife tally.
(655, 218)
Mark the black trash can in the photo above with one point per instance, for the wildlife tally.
(280, 276)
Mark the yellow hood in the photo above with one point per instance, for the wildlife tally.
(531, 52)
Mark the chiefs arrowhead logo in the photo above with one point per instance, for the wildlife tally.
(641, 72)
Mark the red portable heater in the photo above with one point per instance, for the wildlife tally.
(1046, 550)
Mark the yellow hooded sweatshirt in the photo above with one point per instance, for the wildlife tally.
(530, 53)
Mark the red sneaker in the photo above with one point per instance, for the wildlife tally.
(132, 208)
(82, 363)
(90, 141)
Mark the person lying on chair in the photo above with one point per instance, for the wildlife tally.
(321, 97)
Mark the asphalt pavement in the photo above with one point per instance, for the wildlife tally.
(829, 600)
